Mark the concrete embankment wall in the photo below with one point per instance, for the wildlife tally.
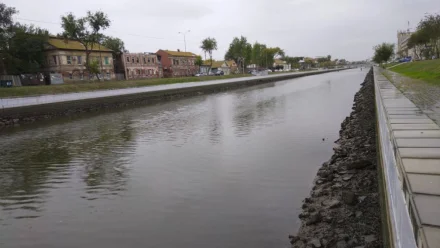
(409, 159)
(13, 115)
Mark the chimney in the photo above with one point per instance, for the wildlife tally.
(178, 50)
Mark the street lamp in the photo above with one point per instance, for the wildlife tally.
(184, 36)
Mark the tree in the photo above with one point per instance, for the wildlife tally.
(114, 44)
(419, 41)
(208, 45)
(85, 30)
(6, 22)
(383, 52)
(430, 28)
(21, 46)
(199, 61)
(240, 51)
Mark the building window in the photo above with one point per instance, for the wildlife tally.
(108, 75)
(138, 72)
(148, 60)
(106, 61)
(81, 76)
(70, 75)
(132, 60)
(145, 61)
(152, 60)
(137, 60)
(128, 59)
(79, 60)
(54, 59)
(69, 60)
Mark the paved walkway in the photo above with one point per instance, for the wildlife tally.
(413, 166)
(423, 95)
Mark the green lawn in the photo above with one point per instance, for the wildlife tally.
(92, 86)
(427, 70)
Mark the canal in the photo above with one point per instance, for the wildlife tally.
(223, 170)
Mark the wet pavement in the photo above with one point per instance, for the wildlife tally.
(425, 96)
(219, 170)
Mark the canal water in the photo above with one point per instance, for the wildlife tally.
(219, 170)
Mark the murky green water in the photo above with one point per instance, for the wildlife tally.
(220, 170)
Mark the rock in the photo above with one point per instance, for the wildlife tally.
(360, 164)
(314, 218)
(15, 121)
(341, 244)
(347, 177)
(358, 214)
(303, 215)
(369, 238)
(298, 244)
(343, 236)
(331, 203)
(315, 243)
(293, 239)
(348, 197)
(361, 198)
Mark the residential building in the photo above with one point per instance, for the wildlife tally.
(402, 44)
(141, 65)
(68, 58)
(216, 66)
(177, 63)
(280, 63)
(233, 67)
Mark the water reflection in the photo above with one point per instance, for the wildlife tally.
(36, 162)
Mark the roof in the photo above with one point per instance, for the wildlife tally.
(215, 64)
(279, 61)
(61, 43)
(231, 63)
(180, 54)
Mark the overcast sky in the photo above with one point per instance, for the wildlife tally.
(343, 28)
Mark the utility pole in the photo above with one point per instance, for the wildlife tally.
(184, 36)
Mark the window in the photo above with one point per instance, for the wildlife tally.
(54, 59)
(128, 59)
(145, 61)
(69, 60)
(108, 75)
(70, 74)
(138, 72)
(152, 60)
(132, 60)
(81, 76)
(79, 60)
(148, 60)
(106, 61)
(137, 59)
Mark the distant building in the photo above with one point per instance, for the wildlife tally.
(402, 44)
(177, 63)
(233, 67)
(141, 65)
(216, 66)
(280, 63)
(68, 58)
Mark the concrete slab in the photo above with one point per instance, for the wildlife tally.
(418, 116)
(426, 166)
(432, 236)
(428, 209)
(404, 112)
(417, 134)
(420, 153)
(425, 184)
(418, 143)
(414, 126)
(411, 121)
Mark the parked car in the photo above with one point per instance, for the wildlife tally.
(200, 74)
(219, 73)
